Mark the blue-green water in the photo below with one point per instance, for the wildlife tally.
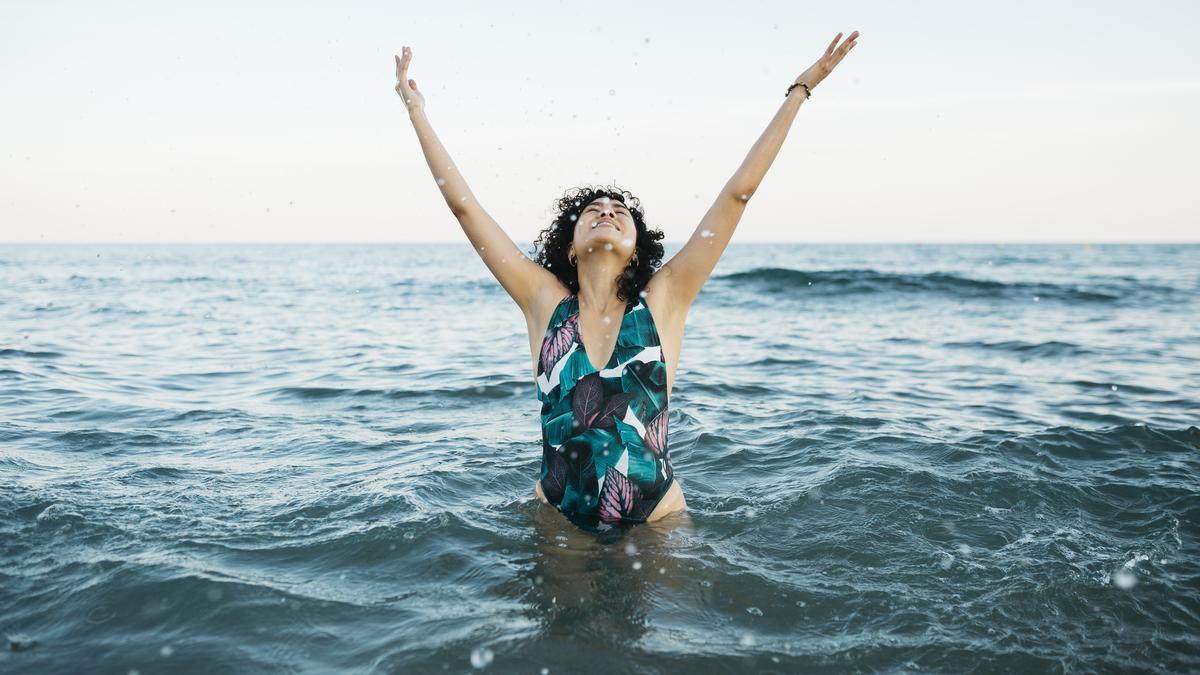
(321, 458)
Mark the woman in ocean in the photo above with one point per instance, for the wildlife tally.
(598, 287)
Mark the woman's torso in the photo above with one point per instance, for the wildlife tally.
(604, 425)
(668, 320)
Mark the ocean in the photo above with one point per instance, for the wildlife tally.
(320, 458)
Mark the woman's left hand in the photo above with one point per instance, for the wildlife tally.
(833, 55)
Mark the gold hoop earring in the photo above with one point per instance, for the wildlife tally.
(633, 261)
(571, 257)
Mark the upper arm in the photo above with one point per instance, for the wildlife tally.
(691, 266)
(521, 277)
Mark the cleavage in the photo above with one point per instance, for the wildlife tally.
(610, 327)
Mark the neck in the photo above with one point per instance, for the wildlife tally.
(598, 285)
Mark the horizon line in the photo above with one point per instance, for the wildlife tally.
(1048, 242)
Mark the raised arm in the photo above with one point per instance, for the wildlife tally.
(521, 277)
(691, 266)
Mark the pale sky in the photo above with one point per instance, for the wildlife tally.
(277, 122)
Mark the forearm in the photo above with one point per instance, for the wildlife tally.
(453, 186)
(748, 176)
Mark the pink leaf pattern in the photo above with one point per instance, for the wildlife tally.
(656, 434)
(559, 343)
(616, 497)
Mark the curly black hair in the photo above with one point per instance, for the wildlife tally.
(555, 241)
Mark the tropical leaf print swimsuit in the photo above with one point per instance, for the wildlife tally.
(604, 432)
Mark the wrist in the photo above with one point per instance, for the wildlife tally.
(804, 89)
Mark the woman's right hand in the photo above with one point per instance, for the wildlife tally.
(405, 87)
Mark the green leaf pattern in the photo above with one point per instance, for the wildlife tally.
(634, 393)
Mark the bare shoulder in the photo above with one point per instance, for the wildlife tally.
(663, 301)
(543, 301)
(538, 311)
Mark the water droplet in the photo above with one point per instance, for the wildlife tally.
(637, 565)
(631, 548)
(462, 199)
(1124, 579)
(1036, 299)
(745, 197)
(608, 246)
(754, 611)
(747, 640)
(167, 650)
(706, 233)
(612, 92)
(573, 217)
(662, 570)
(1114, 387)
(627, 242)
(545, 671)
(608, 321)
(481, 657)
(589, 249)
(441, 181)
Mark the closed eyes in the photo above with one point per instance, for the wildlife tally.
(619, 208)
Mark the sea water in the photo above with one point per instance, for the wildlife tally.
(311, 458)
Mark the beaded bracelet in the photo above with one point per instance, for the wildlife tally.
(807, 91)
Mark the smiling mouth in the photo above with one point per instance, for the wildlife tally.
(603, 223)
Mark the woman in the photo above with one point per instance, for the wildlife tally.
(596, 289)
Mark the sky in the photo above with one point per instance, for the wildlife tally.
(278, 122)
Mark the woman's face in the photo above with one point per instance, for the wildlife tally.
(605, 227)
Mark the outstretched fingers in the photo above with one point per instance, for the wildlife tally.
(847, 46)
(402, 64)
(829, 49)
(837, 55)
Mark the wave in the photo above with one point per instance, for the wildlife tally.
(21, 353)
(486, 390)
(865, 281)
(1052, 348)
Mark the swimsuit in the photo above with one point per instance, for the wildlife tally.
(604, 433)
